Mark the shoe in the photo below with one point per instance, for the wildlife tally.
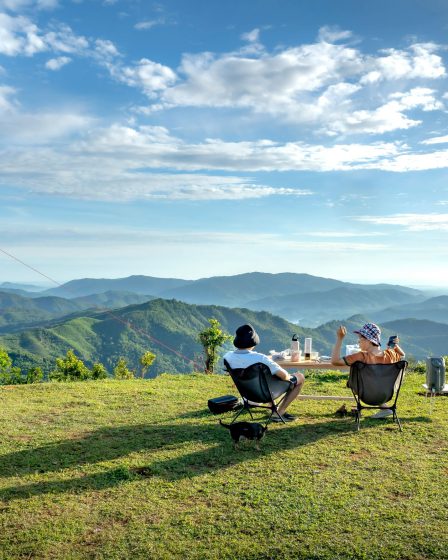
(284, 418)
(383, 413)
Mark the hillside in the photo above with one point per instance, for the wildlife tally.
(157, 324)
(433, 309)
(18, 312)
(139, 470)
(169, 326)
(315, 308)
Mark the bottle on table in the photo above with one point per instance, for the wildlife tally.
(308, 348)
(295, 349)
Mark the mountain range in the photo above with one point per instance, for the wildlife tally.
(168, 313)
(301, 298)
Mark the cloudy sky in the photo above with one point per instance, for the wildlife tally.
(202, 138)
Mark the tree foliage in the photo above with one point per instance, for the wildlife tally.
(146, 362)
(9, 374)
(121, 370)
(211, 339)
(99, 371)
(70, 368)
(34, 375)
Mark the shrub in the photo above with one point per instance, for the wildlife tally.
(70, 368)
(99, 371)
(121, 370)
(34, 375)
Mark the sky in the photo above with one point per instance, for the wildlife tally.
(205, 138)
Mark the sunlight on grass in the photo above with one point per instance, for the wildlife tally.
(140, 469)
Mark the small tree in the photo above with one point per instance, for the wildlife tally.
(121, 370)
(99, 371)
(146, 362)
(211, 339)
(34, 375)
(70, 368)
(9, 374)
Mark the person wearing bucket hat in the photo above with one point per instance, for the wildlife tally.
(369, 340)
(246, 338)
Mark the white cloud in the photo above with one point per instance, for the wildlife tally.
(344, 234)
(19, 5)
(251, 36)
(150, 76)
(419, 61)
(331, 34)
(388, 117)
(436, 140)
(323, 85)
(57, 63)
(148, 24)
(412, 162)
(6, 104)
(38, 128)
(411, 222)
(20, 36)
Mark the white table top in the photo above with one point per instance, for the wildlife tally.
(310, 364)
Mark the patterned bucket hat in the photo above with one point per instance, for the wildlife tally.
(372, 332)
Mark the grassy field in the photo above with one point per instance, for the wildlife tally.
(140, 469)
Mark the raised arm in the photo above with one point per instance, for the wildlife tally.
(336, 359)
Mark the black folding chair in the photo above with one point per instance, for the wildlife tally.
(375, 385)
(259, 389)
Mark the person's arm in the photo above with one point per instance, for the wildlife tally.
(397, 348)
(336, 359)
(279, 371)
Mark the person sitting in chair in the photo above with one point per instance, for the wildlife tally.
(244, 356)
(369, 340)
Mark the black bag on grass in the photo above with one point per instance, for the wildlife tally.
(218, 405)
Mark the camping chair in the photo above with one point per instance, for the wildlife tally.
(259, 389)
(375, 385)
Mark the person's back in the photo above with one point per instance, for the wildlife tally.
(245, 340)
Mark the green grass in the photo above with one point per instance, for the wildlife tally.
(141, 470)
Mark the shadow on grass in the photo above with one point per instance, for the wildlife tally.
(112, 443)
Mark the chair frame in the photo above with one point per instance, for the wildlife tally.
(272, 403)
(356, 370)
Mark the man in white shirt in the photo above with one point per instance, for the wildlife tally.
(244, 356)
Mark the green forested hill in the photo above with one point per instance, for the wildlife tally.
(19, 312)
(169, 326)
(156, 325)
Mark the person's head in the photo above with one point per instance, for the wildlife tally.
(369, 336)
(246, 337)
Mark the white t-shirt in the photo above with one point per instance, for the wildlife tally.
(245, 358)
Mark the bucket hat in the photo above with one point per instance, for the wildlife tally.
(372, 332)
(246, 337)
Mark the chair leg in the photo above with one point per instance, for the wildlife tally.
(397, 420)
(358, 419)
(237, 414)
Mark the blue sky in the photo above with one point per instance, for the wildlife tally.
(203, 138)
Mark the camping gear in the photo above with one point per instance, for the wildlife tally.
(259, 388)
(435, 374)
(295, 349)
(226, 403)
(375, 385)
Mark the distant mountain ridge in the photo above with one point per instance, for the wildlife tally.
(18, 312)
(310, 300)
(138, 284)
